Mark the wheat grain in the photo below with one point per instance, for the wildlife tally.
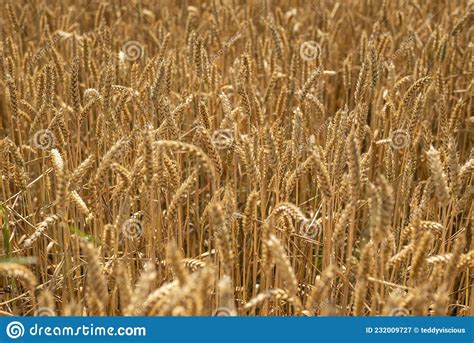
(222, 127)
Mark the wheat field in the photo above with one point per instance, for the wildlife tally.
(229, 157)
